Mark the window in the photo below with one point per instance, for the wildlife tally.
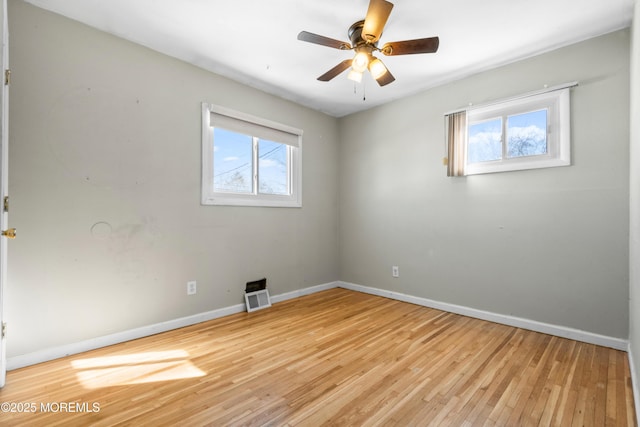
(527, 132)
(248, 161)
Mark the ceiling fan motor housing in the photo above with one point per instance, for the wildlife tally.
(357, 41)
(360, 45)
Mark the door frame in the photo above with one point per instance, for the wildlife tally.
(4, 163)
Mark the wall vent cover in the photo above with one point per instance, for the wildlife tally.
(257, 300)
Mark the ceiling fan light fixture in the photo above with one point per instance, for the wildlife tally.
(377, 68)
(360, 62)
(364, 36)
(354, 75)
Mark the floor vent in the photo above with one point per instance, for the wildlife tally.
(257, 300)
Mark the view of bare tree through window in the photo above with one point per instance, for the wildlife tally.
(526, 136)
(272, 168)
(233, 164)
(232, 161)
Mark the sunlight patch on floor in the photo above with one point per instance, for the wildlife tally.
(138, 368)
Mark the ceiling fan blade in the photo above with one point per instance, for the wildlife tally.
(335, 70)
(306, 36)
(408, 47)
(385, 79)
(374, 22)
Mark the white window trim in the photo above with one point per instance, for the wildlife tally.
(211, 197)
(557, 99)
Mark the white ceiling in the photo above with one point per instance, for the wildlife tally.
(254, 41)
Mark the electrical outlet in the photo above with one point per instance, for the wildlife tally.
(192, 287)
(395, 271)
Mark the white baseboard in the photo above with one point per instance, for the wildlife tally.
(144, 331)
(305, 291)
(119, 337)
(532, 325)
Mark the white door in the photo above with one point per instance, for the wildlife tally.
(4, 152)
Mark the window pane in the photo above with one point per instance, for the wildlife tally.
(232, 161)
(527, 134)
(272, 168)
(484, 141)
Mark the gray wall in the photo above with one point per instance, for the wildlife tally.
(103, 131)
(549, 245)
(107, 132)
(634, 235)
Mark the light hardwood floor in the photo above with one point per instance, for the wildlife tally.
(334, 358)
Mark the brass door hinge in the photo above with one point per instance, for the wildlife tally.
(7, 77)
(5, 204)
(4, 329)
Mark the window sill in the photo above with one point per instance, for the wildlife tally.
(239, 200)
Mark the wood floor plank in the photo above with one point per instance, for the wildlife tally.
(332, 358)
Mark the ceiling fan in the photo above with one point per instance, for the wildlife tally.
(364, 36)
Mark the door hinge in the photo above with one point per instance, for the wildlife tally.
(4, 329)
(7, 77)
(5, 204)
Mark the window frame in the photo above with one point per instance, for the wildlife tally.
(556, 102)
(223, 198)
